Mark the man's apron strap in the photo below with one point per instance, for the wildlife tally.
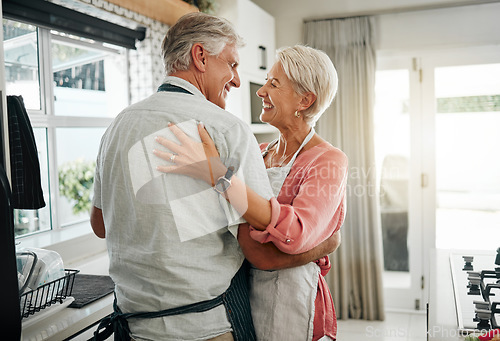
(117, 322)
(172, 88)
(235, 299)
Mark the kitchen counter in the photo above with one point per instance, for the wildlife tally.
(442, 315)
(58, 322)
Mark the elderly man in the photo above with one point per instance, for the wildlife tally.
(172, 242)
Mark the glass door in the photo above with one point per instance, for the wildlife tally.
(396, 119)
(437, 150)
(467, 149)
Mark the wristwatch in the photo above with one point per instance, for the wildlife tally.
(224, 182)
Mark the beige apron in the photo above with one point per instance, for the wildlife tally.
(282, 301)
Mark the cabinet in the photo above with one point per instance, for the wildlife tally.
(257, 27)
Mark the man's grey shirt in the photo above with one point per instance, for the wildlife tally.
(172, 239)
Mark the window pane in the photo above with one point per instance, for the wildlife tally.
(29, 221)
(76, 154)
(21, 62)
(87, 81)
(467, 162)
(392, 152)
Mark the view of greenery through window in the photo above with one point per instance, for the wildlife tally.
(468, 104)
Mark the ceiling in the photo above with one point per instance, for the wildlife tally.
(317, 9)
(291, 14)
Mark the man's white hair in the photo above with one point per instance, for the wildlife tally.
(212, 32)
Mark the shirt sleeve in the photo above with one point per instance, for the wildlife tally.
(317, 209)
(96, 200)
(239, 148)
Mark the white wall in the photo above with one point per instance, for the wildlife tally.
(289, 14)
(454, 26)
(451, 27)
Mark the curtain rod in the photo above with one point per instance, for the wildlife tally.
(402, 10)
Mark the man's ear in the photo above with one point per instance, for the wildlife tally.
(307, 100)
(199, 56)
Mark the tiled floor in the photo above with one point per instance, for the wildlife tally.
(400, 326)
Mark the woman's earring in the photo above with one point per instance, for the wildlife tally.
(297, 114)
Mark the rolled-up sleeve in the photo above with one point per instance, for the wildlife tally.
(96, 199)
(324, 264)
(317, 208)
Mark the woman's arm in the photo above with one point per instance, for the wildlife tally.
(202, 161)
(317, 208)
(268, 257)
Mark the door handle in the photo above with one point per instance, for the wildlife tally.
(263, 57)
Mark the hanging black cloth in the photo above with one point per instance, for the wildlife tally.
(25, 168)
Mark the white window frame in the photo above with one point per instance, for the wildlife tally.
(69, 241)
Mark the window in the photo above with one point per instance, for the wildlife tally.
(436, 119)
(467, 166)
(21, 62)
(72, 89)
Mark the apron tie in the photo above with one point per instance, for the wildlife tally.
(235, 300)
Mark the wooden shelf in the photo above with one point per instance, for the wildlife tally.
(166, 11)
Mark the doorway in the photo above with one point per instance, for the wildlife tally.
(437, 147)
(397, 158)
(466, 119)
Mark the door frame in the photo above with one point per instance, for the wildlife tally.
(411, 297)
(429, 61)
(422, 186)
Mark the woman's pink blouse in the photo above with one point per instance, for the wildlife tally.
(308, 210)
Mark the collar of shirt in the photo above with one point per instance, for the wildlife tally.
(184, 84)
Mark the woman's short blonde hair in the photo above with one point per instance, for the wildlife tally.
(214, 33)
(310, 70)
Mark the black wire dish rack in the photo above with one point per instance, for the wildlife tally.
(47, 294)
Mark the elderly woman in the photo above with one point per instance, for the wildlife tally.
(308, 176)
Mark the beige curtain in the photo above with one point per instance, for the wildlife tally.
(356, 276)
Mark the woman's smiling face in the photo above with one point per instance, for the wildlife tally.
(279, 99)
